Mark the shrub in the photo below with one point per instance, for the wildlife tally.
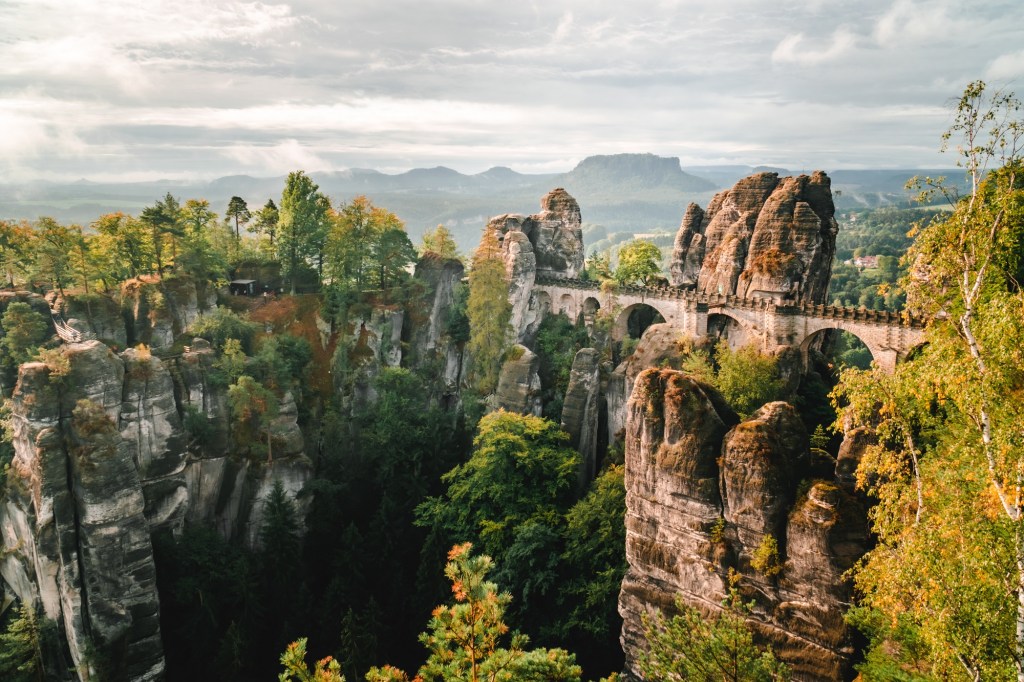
(221, 324)
(765, 559)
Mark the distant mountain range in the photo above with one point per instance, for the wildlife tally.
(617, 193)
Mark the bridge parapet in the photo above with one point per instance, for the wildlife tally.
(754, 303)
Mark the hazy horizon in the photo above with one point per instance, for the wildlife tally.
(115, 91)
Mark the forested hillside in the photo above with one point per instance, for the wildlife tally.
(237, 437)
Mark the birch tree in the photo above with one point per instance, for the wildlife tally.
(948, 470)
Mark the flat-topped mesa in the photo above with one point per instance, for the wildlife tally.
(768, 237)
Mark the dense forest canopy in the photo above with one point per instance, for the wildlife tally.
(410, 489)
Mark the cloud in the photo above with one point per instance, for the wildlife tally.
(907, 21)
(1006, 67)
(283, 157)
(795, 49)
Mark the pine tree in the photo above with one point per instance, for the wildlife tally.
(20, 651)
(466, 640)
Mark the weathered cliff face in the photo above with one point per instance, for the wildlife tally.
(157, 311)
(86, 555)
(704, 493)
(766, 237)
(659, 345)
(108, 451)
(547, 244)
(519, 383)
(426, 333)
(581, 409)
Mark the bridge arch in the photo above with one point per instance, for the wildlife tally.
(567, 306)
(734, 330)
(884, 353)
(633, 320)
(818, 337)
(543, 303)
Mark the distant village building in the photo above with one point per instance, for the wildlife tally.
(865, 262)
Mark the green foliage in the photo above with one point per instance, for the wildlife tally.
(747, 378)
(231, 364)
(721, 648)
(24, 330)
(124, 247)
(392, 254)
(511, 498)
(440, 242)
(765, 558)
(202, 253)
(210, 606)
(466, 639)
(283, 361)
(21, 656)
(280, 564)
(895, 653)
(819, 439)
(368, 560)
(639, 261)
(221, 324)
(457, 321)
(489, 313)
(368, 246)
(296, 670)
(945, 473)
(198, 426)
(558, 341)
(163, 220)
(595, 563)
(53, 247)
(303, 223)
(15, 250)
(598, 267)
(254, 408)
(238, 211)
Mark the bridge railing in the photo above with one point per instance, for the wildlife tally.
(66, 332)
(887, 317)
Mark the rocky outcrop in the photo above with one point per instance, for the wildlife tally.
(521, 270)
(707, 498)
(766, 237)
(149, 419)
(547, 244)
(432, 334)
(158, 310)
(519, 388)
(762, 461)
(368, 342)
(109, 449)
(87, 551)
(661, 344)
(581, 407)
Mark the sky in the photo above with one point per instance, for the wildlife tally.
(125, 90)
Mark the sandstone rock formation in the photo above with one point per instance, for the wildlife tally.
(109, 449)
(426, 333)
(767, 236)
(87, 555)
(581, 408)
(159, 310)
(519, 383)
(704, 493)
(547, 244)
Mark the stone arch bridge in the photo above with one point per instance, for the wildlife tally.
(767, 322)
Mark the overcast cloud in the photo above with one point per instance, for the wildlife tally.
(122, 89)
